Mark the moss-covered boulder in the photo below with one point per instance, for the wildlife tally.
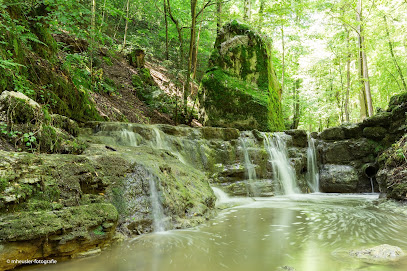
(392, 176)
(240, 90)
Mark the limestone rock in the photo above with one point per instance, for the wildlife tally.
(300, 137)
(382, 119)
(241, 89)
(338, 179)
(379, 254)
(376, 132)
(334, 133)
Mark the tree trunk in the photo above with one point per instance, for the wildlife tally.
(127, 23)
(392, 54)
(195, 56)
(247, 14)
(261, 14)
(191, 52)
(218, 16)
(364, 107)
(93, 22)
(347, 77)
(283, 61)
(167, 57)
(296, 104)
(179, 31)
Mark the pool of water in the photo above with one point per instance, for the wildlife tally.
(307, 232)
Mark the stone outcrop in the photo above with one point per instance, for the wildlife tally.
(29, 126)
(63, 206)
(240, 89)
(356, 147)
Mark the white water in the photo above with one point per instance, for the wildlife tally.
(250, 170)
(283, 172)
(157, 209)
(371, 183)
(312, 167)
(128, 137)
(163, 145)
(160, 144)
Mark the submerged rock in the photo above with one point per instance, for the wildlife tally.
(240, 88)
(379, 254)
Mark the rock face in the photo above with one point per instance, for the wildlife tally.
(357, 146)
(392, 176)
(379, 254)
(241, 90)
(217, 151)
(64, 206)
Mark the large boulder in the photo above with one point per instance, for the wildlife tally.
(16, 107)
(240, 89)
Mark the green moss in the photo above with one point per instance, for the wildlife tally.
(3, 184)
(34, 225)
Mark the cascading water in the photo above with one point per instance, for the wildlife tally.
(158, 140)
(128, 138)
(282, 170)
(312, 167)
(162, 144)
(250, 170)
(157, 209)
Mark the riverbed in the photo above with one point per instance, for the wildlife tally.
(312, 232)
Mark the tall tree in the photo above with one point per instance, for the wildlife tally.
(396, 64)
(366, 108)
(247, 14)
(218, 15)
(127, 23)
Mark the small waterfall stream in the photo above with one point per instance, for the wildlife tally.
(250, 170)
(312, 167)
(283, 172)
(157, 209)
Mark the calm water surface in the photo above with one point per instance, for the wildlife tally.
(307, 232)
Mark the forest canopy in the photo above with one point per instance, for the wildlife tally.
(337, 61)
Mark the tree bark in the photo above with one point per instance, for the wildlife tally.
(167, 57)
(392, 54)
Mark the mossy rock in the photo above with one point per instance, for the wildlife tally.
(240, 90)
(18, 108)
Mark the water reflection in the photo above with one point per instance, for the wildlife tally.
(307, 232)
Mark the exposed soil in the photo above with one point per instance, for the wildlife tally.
(125, 105)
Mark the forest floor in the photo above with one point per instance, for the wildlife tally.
(124, 105)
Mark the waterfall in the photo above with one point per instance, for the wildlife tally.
(128, 137)
(250, 170)
(312, 167)
(158, 140)
(157, 209)
(160, 143)
(283, 172)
